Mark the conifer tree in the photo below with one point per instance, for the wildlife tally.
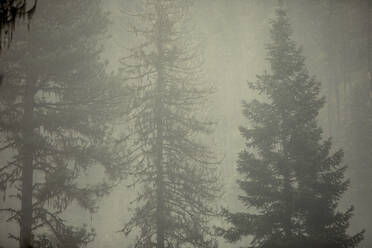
(54, 120)
(175, 170)
(291, 181)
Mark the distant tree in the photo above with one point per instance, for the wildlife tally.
(176, 171)
(359, 145)
(291, 183)
(10, 12)
(339, 30)
(55, 110)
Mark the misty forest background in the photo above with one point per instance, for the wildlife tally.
(83, 69)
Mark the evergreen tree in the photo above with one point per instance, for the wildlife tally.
(175, 170)
(55, 108)
(292, 183)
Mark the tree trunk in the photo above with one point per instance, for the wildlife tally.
(331, 84)
(338, 107)
(159, 179)
(369, 37)
(27, 170)
(287, 193)
(160, 232)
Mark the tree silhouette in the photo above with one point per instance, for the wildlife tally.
(291, 182)
(175, 170)
(56, 108)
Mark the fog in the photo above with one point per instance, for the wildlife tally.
(111, 133)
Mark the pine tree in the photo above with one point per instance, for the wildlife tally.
(175, 170)
(291, 181)
(54, 119)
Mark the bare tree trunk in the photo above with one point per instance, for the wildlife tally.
(337, 93)
(27, 170)
(160, 232)
(330, 79)
(369, 37)
(159, 177)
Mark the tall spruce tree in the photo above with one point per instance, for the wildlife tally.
(176, 172)
(291, 181)
(54, 120)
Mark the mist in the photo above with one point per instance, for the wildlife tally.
(171, 123)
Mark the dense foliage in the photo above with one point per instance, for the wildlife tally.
(292, 183)
(54, 120)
